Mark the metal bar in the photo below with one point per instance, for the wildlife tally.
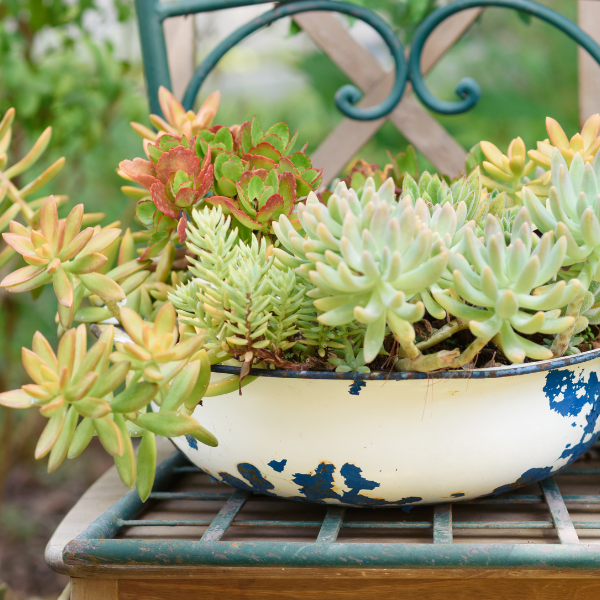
(558, 511)
(584, 471)
(442, 524)
(190, 495)
(534, 499)
(225, 517)
(358, 525)
(178, 8)
(544, 557)
(154, 50)
(331, 525)
(164, 522)
(107, 526)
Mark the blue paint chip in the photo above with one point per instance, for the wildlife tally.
(530, 476)
(278, 465)
(317, 486)
(576, 394)
(457, 495)
(192, 442)
(356, 387)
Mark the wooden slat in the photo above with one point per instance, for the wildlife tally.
(94, 589)
(420, 128)
(442, 524)
(346, 587)
(558, 511)
(589, 71)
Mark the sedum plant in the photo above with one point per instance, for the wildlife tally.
(241, 262)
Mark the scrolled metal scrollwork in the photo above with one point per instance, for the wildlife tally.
(347, 96)
(468, 89)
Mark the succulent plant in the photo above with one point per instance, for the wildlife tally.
(246, 146)
(242, 305)
(177, 182)
(352, 359)
(366, 258)
(178, 121)
(572, 211)
(15, 201)
(404, 163)
(262, 196)
(584, 144)
(69, 384)
(499, 283)
(63, 254)
(507, 173)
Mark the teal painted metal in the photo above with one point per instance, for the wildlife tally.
(152, 13)
(95, 545)
(468, 89)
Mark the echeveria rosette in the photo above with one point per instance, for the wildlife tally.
(498, 286)
(584, 144)
(572, 211)
(366, 258)
(72, 383)
(63, 254)
(262, 197)
(177, 181)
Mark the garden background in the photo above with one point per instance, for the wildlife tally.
(76, 65)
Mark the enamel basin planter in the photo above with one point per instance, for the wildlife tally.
(400, 439)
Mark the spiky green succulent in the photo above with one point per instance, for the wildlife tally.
(238, 301)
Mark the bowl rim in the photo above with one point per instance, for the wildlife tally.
(491, 373)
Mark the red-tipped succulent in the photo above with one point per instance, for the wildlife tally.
(262, 197)
(177, 181)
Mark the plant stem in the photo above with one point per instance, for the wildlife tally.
(428, 362)
(442, 334)
(114, 309)
(473, 349)
(561, 341)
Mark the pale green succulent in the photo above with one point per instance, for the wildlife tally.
(351, 359)
(434, 191)
(367, 257)
(572, 211)
(502, 285)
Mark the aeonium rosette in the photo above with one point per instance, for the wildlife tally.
(177, 181)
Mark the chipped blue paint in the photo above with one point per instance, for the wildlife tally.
(530, 476)
(278, 465)
(457, 495)
(356, 387)
(192, 441)
(568, 392)
(317, 486)
(569, 395)
(255, 481)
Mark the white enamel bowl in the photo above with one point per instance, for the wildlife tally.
(354, 441)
